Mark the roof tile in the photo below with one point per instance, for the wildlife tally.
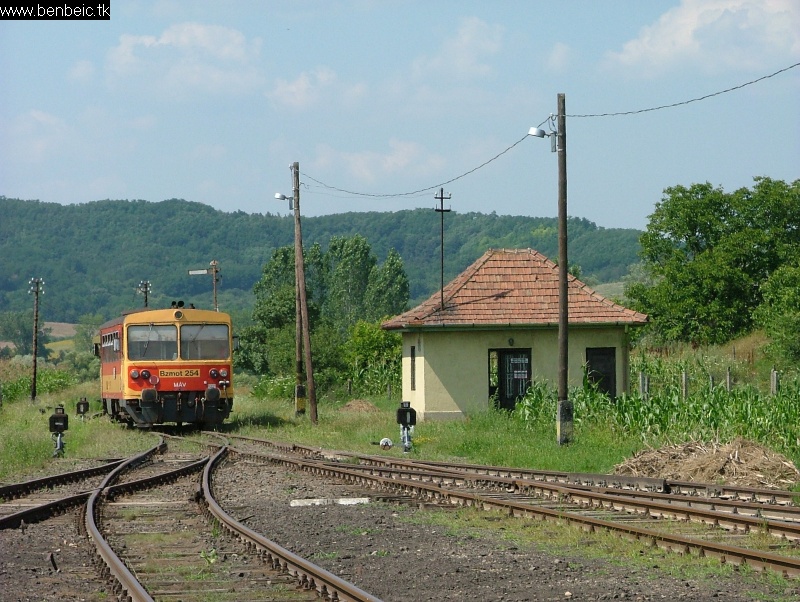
(512, 286)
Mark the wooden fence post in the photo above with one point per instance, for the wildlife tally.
(728, 379)
(685, 384)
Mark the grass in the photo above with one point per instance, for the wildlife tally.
(26, 447)
(486, 438)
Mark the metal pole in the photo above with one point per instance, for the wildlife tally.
(301, 287)
(564, 405)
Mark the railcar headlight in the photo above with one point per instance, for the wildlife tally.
(213, 373)
(223, 373)
(134, 374)
(145, 374)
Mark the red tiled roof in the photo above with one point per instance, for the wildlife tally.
(517, 287)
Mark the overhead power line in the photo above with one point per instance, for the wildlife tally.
(421, 190)
(686, 102)
(503, 152)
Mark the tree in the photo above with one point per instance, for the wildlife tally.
(374, 358)
(85, 332)
(351, 260)
(387, 289)
(779, 313)
(706, 254)
(345, 286)
(17, 328)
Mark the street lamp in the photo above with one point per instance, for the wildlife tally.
(558, 141)
(302, 328)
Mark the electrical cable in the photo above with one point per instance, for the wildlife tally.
(686, 102)
(549, 118)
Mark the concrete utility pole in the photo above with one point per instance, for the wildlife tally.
(442, 211)
(300, 275)
(37, 288)
(564, 426)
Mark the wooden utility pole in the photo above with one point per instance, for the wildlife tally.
(299, 266)
(564, 427)
(214, 270)
(144, 289)
(442, 211)
(37, 288)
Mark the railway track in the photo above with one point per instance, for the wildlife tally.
(741, 526)
(152, 541)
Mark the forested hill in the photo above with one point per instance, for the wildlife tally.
(93, 255)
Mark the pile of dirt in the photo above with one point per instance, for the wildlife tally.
(359, 405)
(740, 462)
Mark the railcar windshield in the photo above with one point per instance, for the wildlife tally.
(152, 342)
(204, 342)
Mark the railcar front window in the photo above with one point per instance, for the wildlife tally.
(205, 342)
(152, 342)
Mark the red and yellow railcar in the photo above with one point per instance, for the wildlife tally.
(167, 366)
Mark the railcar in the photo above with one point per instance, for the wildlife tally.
(171, 365)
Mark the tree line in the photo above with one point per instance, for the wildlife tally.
(92, 256)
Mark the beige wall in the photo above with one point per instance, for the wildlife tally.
(452, 367)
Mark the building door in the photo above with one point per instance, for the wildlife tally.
(601, 369)
(509, 376)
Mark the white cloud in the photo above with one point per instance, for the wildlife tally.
(461, 56)
(304, 91)
(82, 71)
(402, 157)
(559, 58)
(186, 58)
(38, 136)
(716, 34)
(206, 152)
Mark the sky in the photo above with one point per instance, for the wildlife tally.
(386, 103)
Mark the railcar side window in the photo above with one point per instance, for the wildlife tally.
(204, 342)
(152, 342)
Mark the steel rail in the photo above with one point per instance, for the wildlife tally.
(37, 513)
(650, 504)
(688, 489)
(441, 476)
(124, 579)
(15, 490)
(757, 560)
(112, 491)
(589, 479)
(309, 575)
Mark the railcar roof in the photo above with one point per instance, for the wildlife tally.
(166, 314)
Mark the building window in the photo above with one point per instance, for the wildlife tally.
(413, 368)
